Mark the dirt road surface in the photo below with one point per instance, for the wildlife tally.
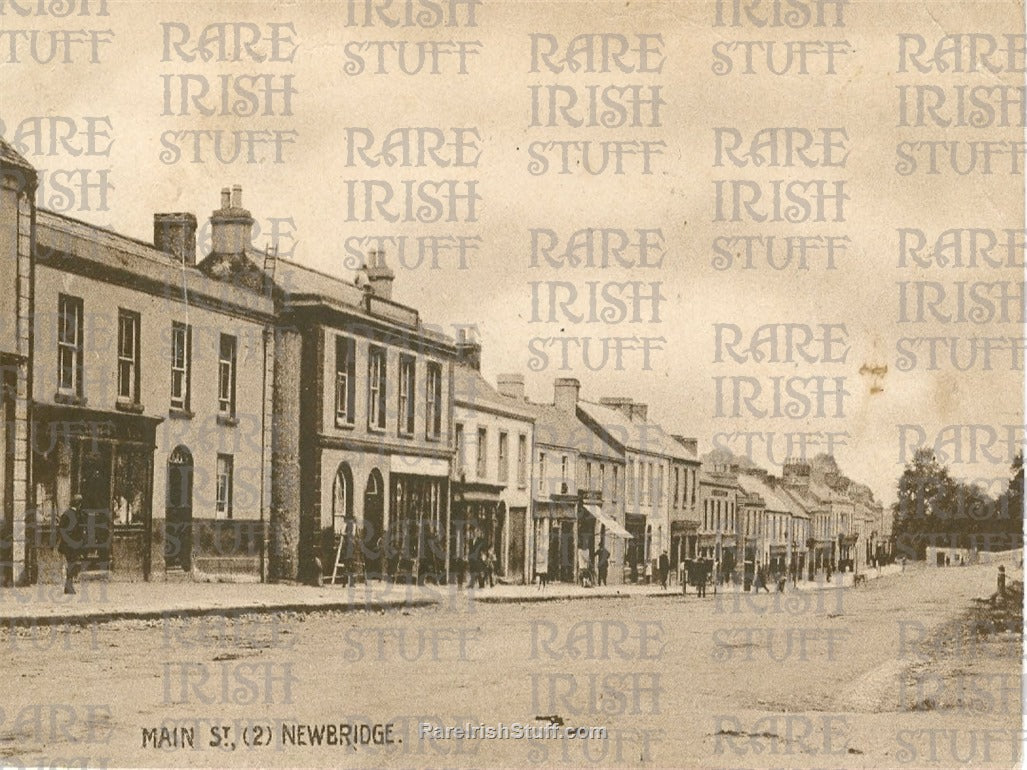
(884, 675)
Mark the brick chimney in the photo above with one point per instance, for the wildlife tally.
(565, 394)
(231, 225)
(511, 385)
(468, 350)
(175, 234)
(378, 275)
(619, 403)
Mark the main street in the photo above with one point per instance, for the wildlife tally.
(882, 675)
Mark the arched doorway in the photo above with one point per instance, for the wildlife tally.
(344, 529)
(179, 510)
(374, 523)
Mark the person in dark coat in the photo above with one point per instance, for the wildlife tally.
(664, 569)
(702, 570)
(71, 543)
(604, 564)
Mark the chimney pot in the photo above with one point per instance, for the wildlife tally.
(237, 196)
(226, 197)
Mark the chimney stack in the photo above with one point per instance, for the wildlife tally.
(378, 275)
(231, 225)
(468, 350)
(511, 385)
(175, 234)
(565, 394)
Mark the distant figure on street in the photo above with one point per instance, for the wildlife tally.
(702, 573)
(490, 567)
(604, 564)
(1001, 580)
(761, 580)
(71, 533)
(664, 569)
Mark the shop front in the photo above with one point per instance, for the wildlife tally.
(478, 527)
(418, 512)
(595, 532)
(107, 459)
(555, 528)
(684, 541)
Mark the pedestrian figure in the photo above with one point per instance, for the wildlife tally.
(71, 543)
(703, 574)
(604, 564)
(1001, 580)
(490, 567)
(761, 580)
(664, 569)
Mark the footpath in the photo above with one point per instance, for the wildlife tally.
(99, 601)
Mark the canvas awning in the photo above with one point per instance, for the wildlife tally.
(610, 523)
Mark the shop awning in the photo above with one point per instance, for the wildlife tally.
(611, 524)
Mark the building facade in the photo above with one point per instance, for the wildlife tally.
(492, 470)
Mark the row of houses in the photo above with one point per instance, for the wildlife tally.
(240, 413)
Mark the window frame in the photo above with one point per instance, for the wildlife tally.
(377, 381)
(345, 381)
(131, 361)
(185, 370)
(406, 395)
(226, 402)
(73, 348)
(223, 495)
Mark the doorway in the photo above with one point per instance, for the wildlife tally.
(179, 523)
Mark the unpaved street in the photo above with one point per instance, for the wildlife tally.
(879, 676)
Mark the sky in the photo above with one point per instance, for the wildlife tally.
(133, 93)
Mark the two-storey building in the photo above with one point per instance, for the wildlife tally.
(578, 490)
(149, 397)
(492, 468)
(362, 441)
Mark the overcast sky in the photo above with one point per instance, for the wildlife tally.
(678, 197)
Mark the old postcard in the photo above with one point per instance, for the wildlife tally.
(512, 383)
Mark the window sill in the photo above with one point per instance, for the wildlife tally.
(70, 399)
(180, 414)
(229, 420)
(375, 429)
(343, 425)
(132, 407)
(434, 439)
(405, 434)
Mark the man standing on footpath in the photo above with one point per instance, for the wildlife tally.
(71, 533)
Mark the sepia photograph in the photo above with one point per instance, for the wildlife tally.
(512, 383)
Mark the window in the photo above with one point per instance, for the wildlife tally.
(482, 464)
(631, 480)
(504, 456)
(522, 460)
(563, 470)
(459, 449)
(69, 344)
(223, 506)
(588, 476)
(433, 401)
(181, 353)
(226, 375)
(128, 356)
(602, 478)
(541, 471)
(345, 380)
(376, 388)
(407, 380)
(616, 481)
(659, 484)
